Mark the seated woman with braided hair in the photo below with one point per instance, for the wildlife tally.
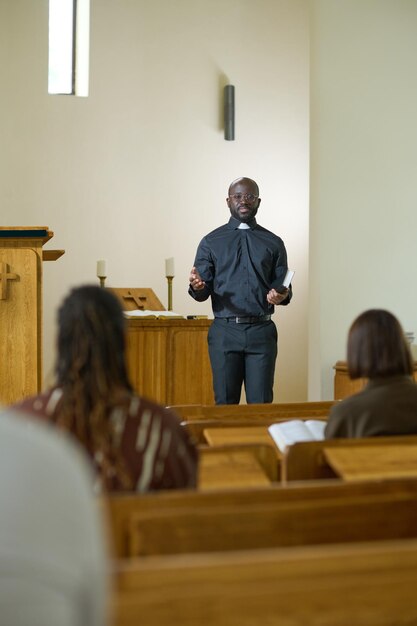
(134, 443)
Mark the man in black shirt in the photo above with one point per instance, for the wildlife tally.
(241, 266)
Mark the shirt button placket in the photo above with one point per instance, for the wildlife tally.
(245, 265)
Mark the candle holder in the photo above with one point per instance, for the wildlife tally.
(101, 271)
(170, 279)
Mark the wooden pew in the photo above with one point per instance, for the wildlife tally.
(273, 411)
(196, 428)
(370, 462)
(244, 465)
(122, 508)
(308, 460)
(354, 518)
(362, 585)
(239, 435)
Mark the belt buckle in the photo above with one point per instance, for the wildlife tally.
(251, 319)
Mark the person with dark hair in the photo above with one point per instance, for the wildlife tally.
(377, 350)
(242, 267)
(135, 444)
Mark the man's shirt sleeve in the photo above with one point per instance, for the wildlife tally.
(205, 267)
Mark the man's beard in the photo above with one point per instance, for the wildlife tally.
(246, 217)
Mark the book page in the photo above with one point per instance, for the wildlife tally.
(317, 428)
(286, 433)
(140, 313)
(147, 313)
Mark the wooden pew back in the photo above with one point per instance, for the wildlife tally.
(241, 465)
(307, 460)
(366, 585)
(272, 411)
(355, 518)
(122, 508)
(196, 427)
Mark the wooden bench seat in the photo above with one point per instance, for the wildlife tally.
(122, 508)
(362, 585)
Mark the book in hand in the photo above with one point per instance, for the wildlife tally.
(286, 282)
(151, 315)
(288, 278)
(286, 433)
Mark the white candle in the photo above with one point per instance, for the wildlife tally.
(101, 269)
(169, 267)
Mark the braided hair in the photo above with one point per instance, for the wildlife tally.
(91, 371)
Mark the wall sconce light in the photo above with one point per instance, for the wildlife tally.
(229, 112)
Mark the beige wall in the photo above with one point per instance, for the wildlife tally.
(363, 172)
(139, 171)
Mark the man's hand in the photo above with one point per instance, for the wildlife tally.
(195, 280)
(276, 297)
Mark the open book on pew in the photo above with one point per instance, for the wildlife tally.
(286, 433)
(151, 315)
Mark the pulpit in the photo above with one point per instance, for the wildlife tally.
(167, 356)
(21, 258)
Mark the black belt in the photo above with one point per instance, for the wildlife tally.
(248, 320)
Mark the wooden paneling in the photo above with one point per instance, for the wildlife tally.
(20, 347)
(168, 360)
(189, 370)
(147, 359)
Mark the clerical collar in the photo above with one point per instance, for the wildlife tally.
(235, 223)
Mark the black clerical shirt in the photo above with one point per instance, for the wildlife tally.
(239, 267)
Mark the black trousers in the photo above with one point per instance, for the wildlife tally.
(242, 353)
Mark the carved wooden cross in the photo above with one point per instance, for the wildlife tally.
(5, 275)
(138, 300)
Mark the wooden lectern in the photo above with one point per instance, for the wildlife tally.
(21, 257)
